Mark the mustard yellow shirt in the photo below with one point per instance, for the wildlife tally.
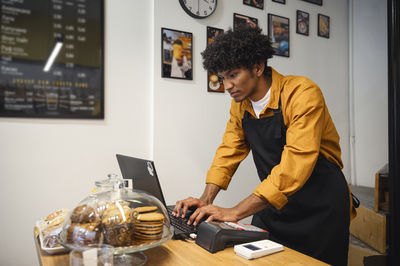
(310, 132)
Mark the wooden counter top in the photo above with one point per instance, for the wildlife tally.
(178, 252)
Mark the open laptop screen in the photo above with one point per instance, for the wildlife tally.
(143, 175)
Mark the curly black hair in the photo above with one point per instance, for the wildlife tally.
(243, 47)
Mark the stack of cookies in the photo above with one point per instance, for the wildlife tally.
(148, 224)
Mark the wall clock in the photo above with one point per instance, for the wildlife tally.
(199, 8)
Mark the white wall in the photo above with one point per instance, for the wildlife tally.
(369, 56)
(49, 164)
(189, 122)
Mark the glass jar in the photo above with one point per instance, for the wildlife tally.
(129, 220)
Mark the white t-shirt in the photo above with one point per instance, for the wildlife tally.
(260, 105)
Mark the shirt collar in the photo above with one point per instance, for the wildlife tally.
(276, 88)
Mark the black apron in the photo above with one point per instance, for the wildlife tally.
(316, 218)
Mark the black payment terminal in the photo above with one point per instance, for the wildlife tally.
(216, 236)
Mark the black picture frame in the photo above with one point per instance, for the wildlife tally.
(302, 23)
(176, 54)
(279, 34)
(73, 86)
(254, 3)
(213, 82)
(280, 1)
(324, 26)
(239, 19)
(315, 2)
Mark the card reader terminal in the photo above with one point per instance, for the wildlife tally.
(216, 236)
(257, 249)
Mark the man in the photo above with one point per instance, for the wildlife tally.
(180, 63)
(303, 199)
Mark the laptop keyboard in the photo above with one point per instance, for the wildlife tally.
(181, 223)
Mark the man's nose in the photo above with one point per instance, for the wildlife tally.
(228, 85)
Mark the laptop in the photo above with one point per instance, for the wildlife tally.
(144, 177)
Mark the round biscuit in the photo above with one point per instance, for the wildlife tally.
(146, 209)
(150, 217)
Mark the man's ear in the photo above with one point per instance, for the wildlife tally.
(259, 69)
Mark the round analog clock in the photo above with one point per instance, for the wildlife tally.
(199, 8)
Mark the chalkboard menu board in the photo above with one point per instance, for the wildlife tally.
(32, 33)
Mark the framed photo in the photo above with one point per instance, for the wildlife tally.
(239, 19)
(279, 1)
(254, 3)
(176, 54)
(302, 22)
(279, 32)
(316, 2)
(213, 82)
(323, 26)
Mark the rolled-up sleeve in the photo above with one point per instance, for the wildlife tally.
(304, 114)
(230, 153)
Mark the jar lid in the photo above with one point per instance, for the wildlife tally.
(110, 182)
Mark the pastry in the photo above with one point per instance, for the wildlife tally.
(117, 216)
(148, 225)
(117, 223)
(84, 214)
(50, 236)
(83, 233)
(104, 206)
(146, 209)
(150, 235)
(118, 235)
(150, 217)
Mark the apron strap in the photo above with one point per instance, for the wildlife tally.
(246, 115)
(356, 201)
(279, 110)
(279, 115)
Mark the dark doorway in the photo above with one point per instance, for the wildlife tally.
(394, 129)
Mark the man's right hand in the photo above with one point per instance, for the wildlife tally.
(209, 194)
(186, 204)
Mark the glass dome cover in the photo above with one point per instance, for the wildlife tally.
(130, 220)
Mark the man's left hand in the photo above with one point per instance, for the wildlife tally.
(214, 213)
